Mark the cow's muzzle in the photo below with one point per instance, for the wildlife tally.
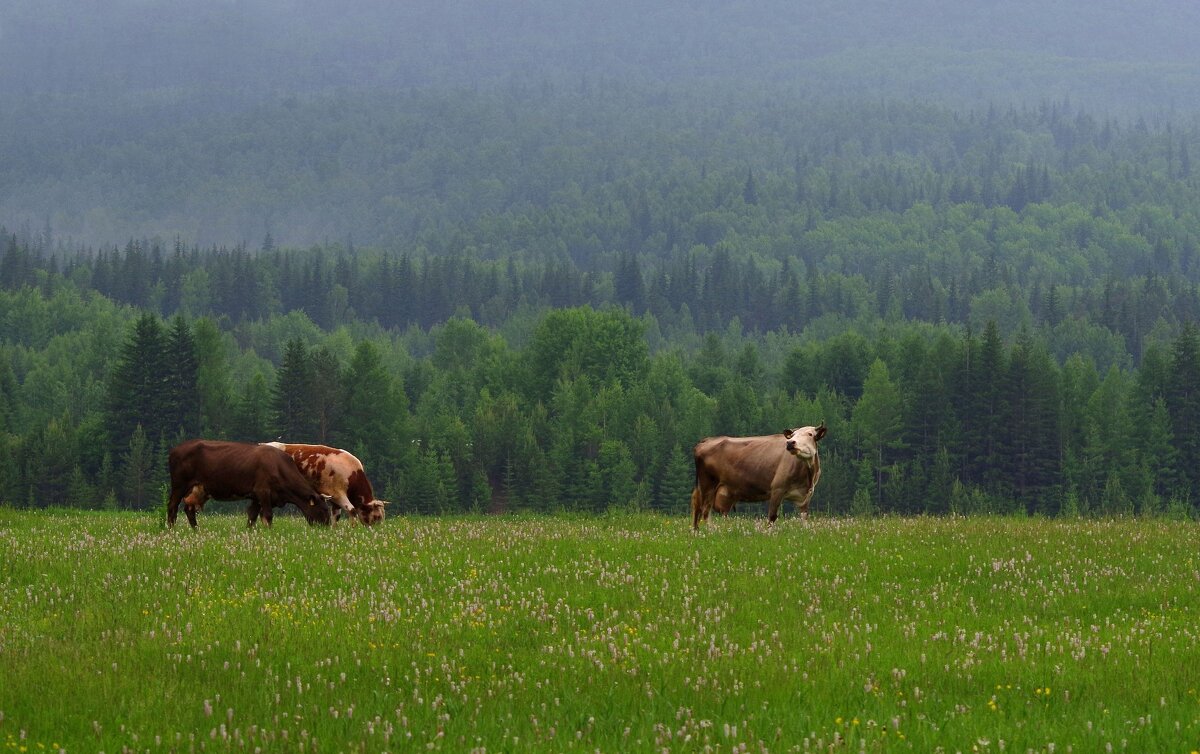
(800, 450)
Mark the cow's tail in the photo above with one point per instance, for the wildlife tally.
(697, 502)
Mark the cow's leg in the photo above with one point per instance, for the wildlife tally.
(264, 504)
(706, 504)
(251, 513)
(177, 490)
(697, 506)
(342, 504)
(773, 506)
(723, 500)
(195, 500)
(802, 506)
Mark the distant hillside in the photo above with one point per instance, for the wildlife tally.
(311, 120)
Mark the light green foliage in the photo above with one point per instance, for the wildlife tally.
(617, 633)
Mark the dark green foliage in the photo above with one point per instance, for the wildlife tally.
(140, 391)
(1183, 405)
(992, 310)
(297, 408)
(183, 402)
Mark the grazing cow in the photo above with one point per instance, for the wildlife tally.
(772, 468)
(338, 474)
(201, 469)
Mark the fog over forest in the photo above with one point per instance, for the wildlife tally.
(222, 122)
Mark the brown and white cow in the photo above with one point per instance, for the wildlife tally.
(203, 469)
(338, 474)
(774, 468)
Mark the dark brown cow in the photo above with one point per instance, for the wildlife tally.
(774, 468)
(201, 469)
(339, 475)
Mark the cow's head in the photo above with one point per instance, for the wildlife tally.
(317, 509)
(372, 513)
(802, 441)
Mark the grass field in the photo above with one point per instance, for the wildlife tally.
(624, 633)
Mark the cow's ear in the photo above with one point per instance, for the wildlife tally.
(788, 432)
(820, 431)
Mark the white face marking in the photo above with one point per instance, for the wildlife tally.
(802, 442)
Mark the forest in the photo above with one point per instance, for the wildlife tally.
(992, 310)
(523, 256)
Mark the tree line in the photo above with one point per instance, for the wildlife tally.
(578, 413)
(967, 299)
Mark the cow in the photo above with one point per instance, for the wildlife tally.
(774, 468)
(338, 474)
(201, 469)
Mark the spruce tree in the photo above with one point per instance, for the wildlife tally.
(878, 417)
(1183, 403)
(139, 477)
(182, 392)
(138, 386)
(325, 396)
(674, 492)
(252, 414)
(372, 408)
(296, 418)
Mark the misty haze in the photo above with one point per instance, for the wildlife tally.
(221, 123)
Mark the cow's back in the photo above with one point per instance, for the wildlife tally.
(230, 470)
(332, 470)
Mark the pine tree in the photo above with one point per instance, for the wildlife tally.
(617, 473)
(138, 387)
(675, 485)
(8, 397)
(251, 420)
(325, 398)
(446, 498)
(212, 380)
(750, 190)
(986, 443)
(1156, 451)
(941, 483)
(296, 418)
(138, 462)
(628, 284)
(50, 458)
(878, 417)
(1183, 404)
(182, 397)
(1031, 401)
(373, 415)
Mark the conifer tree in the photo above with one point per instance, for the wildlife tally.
(296, 418)
(372, 412)
(138, 387)
(252, 414)
(182, 396)
(674, 490)
(878, 417)
(139, 475)
(325, 395)
(1183, 404)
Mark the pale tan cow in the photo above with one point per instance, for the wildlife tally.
(774, 468)
(338, 474)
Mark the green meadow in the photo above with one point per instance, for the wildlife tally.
(618, 633)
